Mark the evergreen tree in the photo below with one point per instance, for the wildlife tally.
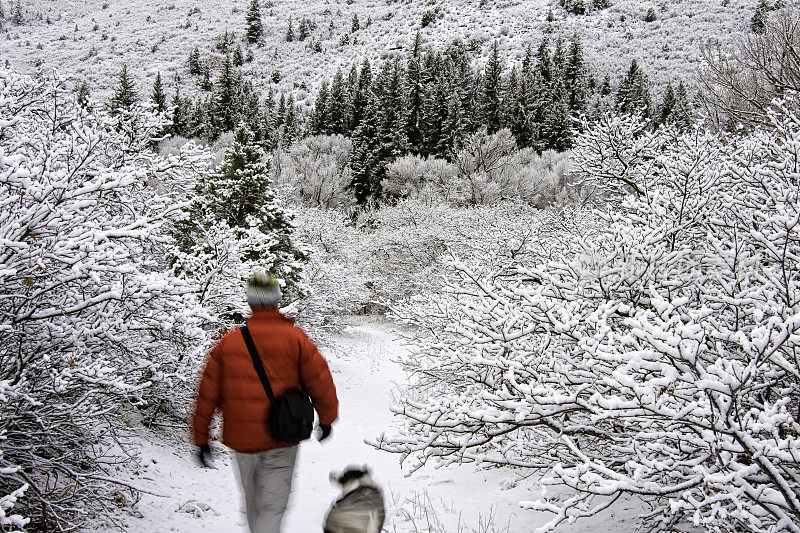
(491, 95)
(605, 87)
(667, 106)
(254, 27)
(124, 97)
(413, 90)
(240, 194)
(290, 127)
(205, 80)
(181, 110)
(194, 61)
(633, 95)
(159, 97)
(759, 21)
(238, 57)
(361, 95)
(16, 13)
(320, 121)
(575, 77)
(82, 95)
(355, 26)
(289, 32)
(303, 30)
(544, 64)
(336, 110)
(682, 111)
(225, 102)
(557, 125)
(651, 15)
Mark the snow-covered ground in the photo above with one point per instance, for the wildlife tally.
(361, 358)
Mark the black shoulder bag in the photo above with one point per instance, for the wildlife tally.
(291, 415)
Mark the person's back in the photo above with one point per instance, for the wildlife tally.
(230, 382)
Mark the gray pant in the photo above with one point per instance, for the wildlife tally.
(266, 480)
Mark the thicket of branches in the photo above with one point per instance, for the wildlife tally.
(95, 335)
(652, 355)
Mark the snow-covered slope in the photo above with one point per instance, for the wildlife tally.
(91, 39)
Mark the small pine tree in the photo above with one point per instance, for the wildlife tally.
(16, 13)
(194, 61)
(355, 26)
(241, 195)
(492, 91)
(238, 57)
(759, 21)
(601, 4)
(303, 30)
(124, 97)
(82, 95)
(2, 11)
(158, 96)
(290, 31)
(205, 81)
(550, 16)
(255, 28)
(651, 15)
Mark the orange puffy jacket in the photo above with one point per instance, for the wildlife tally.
(230, 382)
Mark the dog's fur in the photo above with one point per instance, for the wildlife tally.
(360, 509)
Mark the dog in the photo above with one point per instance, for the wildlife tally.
(360, 508)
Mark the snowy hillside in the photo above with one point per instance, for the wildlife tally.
(91, 39)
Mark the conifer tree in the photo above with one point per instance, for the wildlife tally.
(337, 105)
(491, 96)
(159, 97)
(238, 57)
(194, 61)
(633, 95)
(254, 26)
(667, 105)
(205, 80)
(413, 90)
(289, 32)
(759, 21)
(240, 194)
(682, 112)
(290, 129)
(181, 109)
(355, 26)
(320, 121)
(575, 77)
(361, 95)
(124, 97)
(225, 102)
(82, 95)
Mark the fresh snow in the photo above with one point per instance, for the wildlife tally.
(362, 359)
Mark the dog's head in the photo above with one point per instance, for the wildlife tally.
(351, 477)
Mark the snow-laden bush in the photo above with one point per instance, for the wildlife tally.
(316, 169)
(653, 355)
(487, 169)
(93, 332)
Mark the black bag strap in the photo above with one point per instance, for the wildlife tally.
(262, 374)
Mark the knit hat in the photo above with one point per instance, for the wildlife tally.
(263, 291)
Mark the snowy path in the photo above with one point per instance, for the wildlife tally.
(444, 500)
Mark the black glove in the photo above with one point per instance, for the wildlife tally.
(324, 432)
(204, 455)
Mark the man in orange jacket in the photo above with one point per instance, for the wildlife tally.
(230, 382)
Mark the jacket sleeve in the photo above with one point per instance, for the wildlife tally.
(318, 381)
(208, 397)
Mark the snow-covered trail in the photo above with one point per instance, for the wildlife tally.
(444, 500)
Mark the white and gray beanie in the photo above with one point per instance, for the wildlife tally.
(263, 291)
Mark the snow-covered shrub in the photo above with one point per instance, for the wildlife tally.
(316, 168)
(413, 176)
(653, 353)
(483, 167)
(92, 327)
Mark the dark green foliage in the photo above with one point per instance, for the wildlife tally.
(254, 26)
(550, 16)
(633, 95)
(651, 15)
(82, 95)
(205, 81)
(290, 31)
(194, 61)
(759, 21)
(576, 7)
(16, 13)
(492, 90)
(601, 4)
(238, 57)
(240, 195)
(159, 97)
(355, 26)
(125, 96)
(428, 17)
